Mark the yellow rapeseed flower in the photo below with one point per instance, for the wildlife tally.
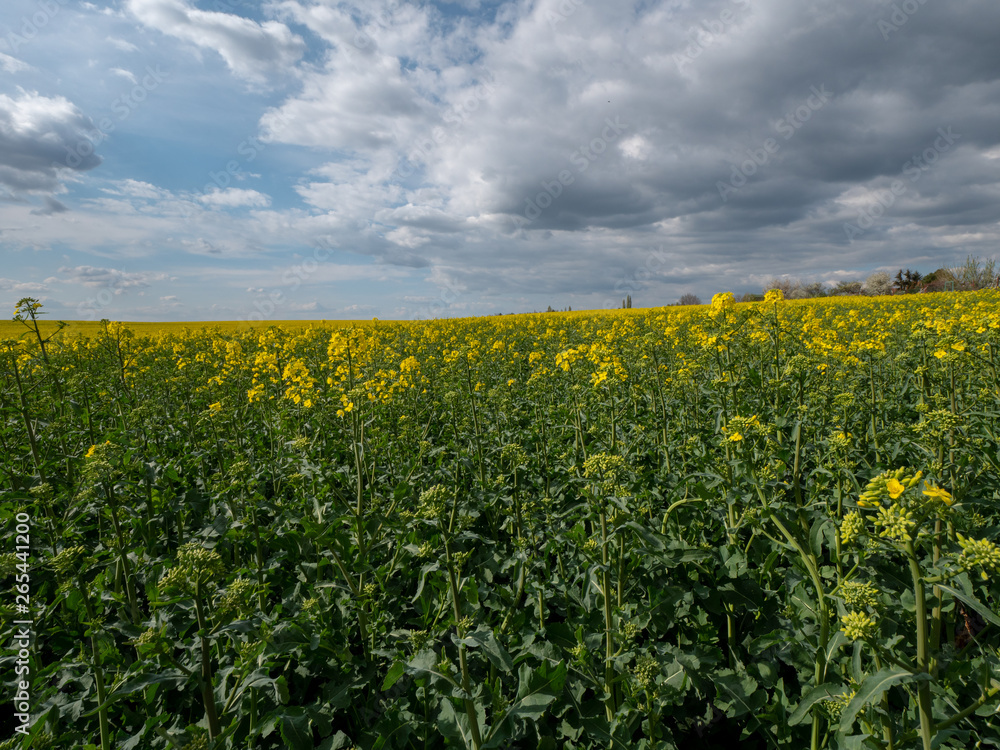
(895, 488)
(938, 493)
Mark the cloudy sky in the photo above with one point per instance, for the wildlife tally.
(233, 159)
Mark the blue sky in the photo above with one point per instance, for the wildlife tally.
(311, 159)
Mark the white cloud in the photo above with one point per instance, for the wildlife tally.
(138, 189)
(121, 44)
(253, 51)
(235, 198)
(111, 278)
(9, 285)
(12, 64)
(125, 74)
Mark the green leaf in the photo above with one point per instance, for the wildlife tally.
(491, 647)
(295, 730)
(854, 742)
(281, 690)
(145, 680)
(453, 724)
(823, 692)
(395, 672)
(335, 742)
(138, 683)
(743, 592)
(425, 664)
(872, 688)
(816, 536)
(537, 688)
(838, 640)
(739, 692)
(973, 603)
(653, 541)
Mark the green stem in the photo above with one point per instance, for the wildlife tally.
(967, 711)
(475, 424)
(923, 657)
(355, 589)
(130, 582)
(207, 693)
(824, 622)
(470, 705)
(609, 645)
(102, 697)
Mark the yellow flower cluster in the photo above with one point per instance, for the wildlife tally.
(979, 553)
(896, 522)
(851, 527)
(858, 594)
(857, 626)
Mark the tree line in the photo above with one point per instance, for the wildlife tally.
(972, 275)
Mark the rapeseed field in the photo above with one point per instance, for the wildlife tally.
(772, 524)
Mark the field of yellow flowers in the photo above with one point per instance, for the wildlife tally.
(771, 525)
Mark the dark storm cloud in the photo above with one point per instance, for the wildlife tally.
(841, 104)
(39, 138)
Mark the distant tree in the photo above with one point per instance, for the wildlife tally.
(846, 288)
(907, 281)
(786, 285)
(751, 297)
(975, 273)
(689, 299)
(816, 289)
(877, 284)
(795, 289)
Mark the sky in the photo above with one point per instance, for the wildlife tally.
(412, 159)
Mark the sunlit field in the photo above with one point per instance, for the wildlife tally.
(764, 525)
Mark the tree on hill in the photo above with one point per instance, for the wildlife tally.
(908, 281)
(796, 289)
(975, 274)
(878, 283)
(846, 288)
